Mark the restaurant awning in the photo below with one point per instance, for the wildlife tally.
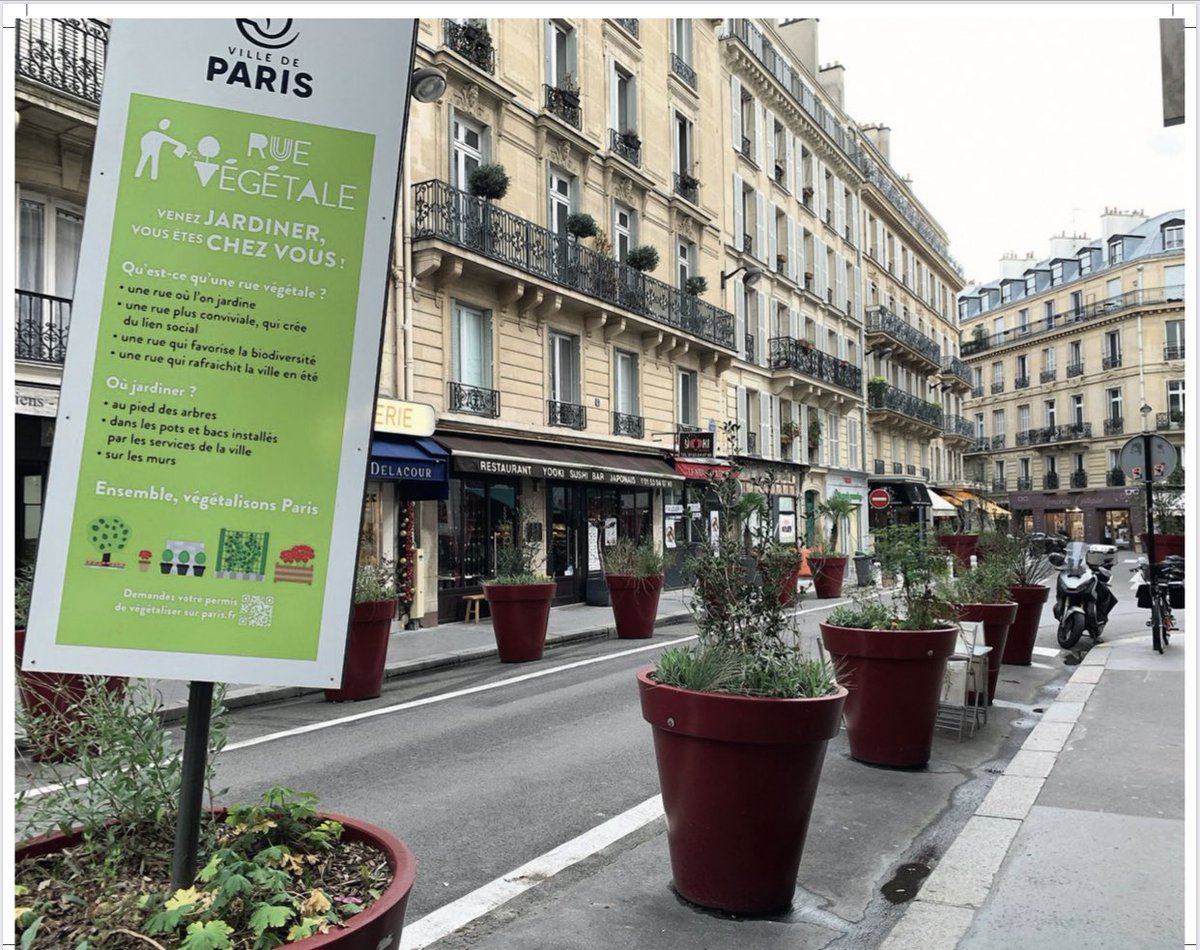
(480, 455)
(958, 497)
(940, 507)
(420, 466)
(914, 494)
(700, 471)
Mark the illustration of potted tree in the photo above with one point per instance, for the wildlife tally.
(183, 561)
(198, 564)
(168, 560)
(108, 534)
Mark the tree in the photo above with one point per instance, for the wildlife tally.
(108, 534)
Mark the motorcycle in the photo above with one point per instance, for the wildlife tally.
(1084, 598)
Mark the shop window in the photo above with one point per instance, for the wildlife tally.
(478, 516)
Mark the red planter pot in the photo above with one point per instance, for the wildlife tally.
(739, 775)
(634, 604)
(787, 585)
(380, 925)
(366, 652)
(828, 574)
(996, 619)
(520, 615)
(962, 546)
(54, 699)
(895, 681)
(1164, 545)
(1022, 632)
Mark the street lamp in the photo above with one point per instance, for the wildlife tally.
(428, 84)
(752, 275)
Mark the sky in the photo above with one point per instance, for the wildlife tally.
(1016, 122)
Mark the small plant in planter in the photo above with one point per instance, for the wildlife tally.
(642, 258)
(183, 561)
(581, 225)
(630, 139)
(829, 565)
(814, 430)
(740, 720)
(695, 286)
(892, 653)
(789, 431)
(634, 574)
(144, 560)
(198, 564)
(168, 561)
(519, 596)
(489, 181)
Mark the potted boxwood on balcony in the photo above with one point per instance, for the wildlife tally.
(740, 721)
(277, 873)
(375, 599)
(828, 566)
(1027, 568)
(981, 595)
(519, 598)
(695, 286)
(581, 225)
(642, 258)
(891, 654)
(634, 574)
(489, 181)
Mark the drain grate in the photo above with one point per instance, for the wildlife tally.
(905, 883)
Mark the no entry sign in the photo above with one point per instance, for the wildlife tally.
(879, 498)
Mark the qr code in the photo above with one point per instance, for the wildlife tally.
(256, 610)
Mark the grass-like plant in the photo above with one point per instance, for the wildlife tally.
(628, 558)
(519, 558)
(918, 562)
(375, 581)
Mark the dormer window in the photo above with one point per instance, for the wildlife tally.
(1173, 236)
(1005, 293)
(1056, 273)
(1116, 252)
(1030, 284)
(1085, 263)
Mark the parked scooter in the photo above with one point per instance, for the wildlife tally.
(1084, 597)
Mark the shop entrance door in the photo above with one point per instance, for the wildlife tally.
(567, 552)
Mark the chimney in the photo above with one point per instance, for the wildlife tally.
(833, 81)
(801, 39)
(1120, 222)
(1062, 245)
(1012, 266)
(880, 136)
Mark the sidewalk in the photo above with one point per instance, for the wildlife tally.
(1080, 843)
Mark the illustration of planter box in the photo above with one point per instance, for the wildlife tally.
(293, 566)
(183, 558)
(242, 555)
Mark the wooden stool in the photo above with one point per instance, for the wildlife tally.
(473, 602)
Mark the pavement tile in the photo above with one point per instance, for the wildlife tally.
(1011, 797)
(1097, 656)
(1075, 693)
(1060, 711)
(1030, 764)
(929, 926)
(964, 874)
(1086, 674)
(1048, 736)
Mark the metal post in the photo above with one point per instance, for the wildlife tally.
(191, 792)
(1148, 475)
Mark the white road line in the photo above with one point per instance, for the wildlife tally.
(457, 914)
(1046, 651)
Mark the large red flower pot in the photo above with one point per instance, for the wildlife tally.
(366, 652)
(787, 583)
(739, 775)
(520, 615)
(895, 681)
(1164, 545)
(828, 575)
(380, 925)
(54, 702)
(962, 546)
(634, 604)
(1022, 632)
(996, 619)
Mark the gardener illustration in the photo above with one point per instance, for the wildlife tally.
(152, 143)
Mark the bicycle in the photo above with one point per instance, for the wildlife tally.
(1158, 594)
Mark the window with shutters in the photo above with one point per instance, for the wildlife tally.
(687, 400)
(779, 137)
(471, 353)
(624, 230)
(624, 100)
(748, 146)
(564, 368)
(685, 258)
(625, 382)
(562, 72)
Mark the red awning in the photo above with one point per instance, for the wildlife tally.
(699, 471)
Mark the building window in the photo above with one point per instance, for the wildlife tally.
(687, 399)
(472, 346)
(1116, 252)
(623, 87)
(1112, 349)
(1023, 320)
(1056, 273)
(685, 257)
(1023, 418)
(561, 190)
(998, 328)
(1173, 237)
(1174, 331)
(852, 443)
(1005, 292)
(1116, 405)
(1048, 359)
(625, 382)
(1085, 263)
(1025, 469)
(998, 374)
(834, 421)
(1051, 414)
(1023, 367)
(1075, 353)
(561, 71)
(1175, 399)
(48, 246)
(998, 473)
(681, 39)
(998, 422)
(683, 145)
(467, 151)
(1048, 313)
(1173, 281)
(1077, 410)
(564, 368)
(1076, 303)
(624, 230)
(979, 433)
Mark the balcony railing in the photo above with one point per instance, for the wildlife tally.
(1021, 382)
(474, 399)
(1079, 479)
(884, 396)
(472, 42)
(1172, 351)
(451, 215)
(910, 469)
(1022, 438)
(999, 486)
(1049, 375)
(1114, 478)
(1074, 369)
(1104, 308)
(1024, 484)
(687, 187)
(752, 443)
(751, 352)
(42, 326)
(745, 147)
(953, 366)
(1068, 433)
(981, 444)
(683, 70)
(997, 386)
(567, 414)
(880, 467)
(64, 54)
(882, 320)
(925, 472)
(789, 353)
(629, 26)
(565, 104)
(1114, 426)
(1168, 421)
(625, 424)
(1050, 481)
(976, 392)
(748, 243)
(1112, 361)
(998, 441)
(628, 147)
(897, 468)
(958, 426)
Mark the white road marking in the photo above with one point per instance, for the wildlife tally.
(457, 914)
(1046, 651)
(1042, 666)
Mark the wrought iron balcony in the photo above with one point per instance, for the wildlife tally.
(42, 325)
(1022, 438)
(1114, 426)
(897, 468)
(1168, 421)
(976, 392)
(881, 396)
(1021, 382)
(998, 441)
(1172, 351)
(997, 386)
(910, 469)
(789, 353)
(752, 443)
(880, 467)
(1112, 361)
(999, 486)
(883, 321)
(564, 103)
(1074, 369)
(1074, 432)
(1049, 375)
(925, 472)
(628, 147)
(567, 414)
(959, 371)
(957, 427)
(1050, 481)
(1079, 479)
(748, 243)
(66, 55)
(625, 424)
(1114, 478)
(474, 399)
(751, 353)
(688, 188)
(1024, 484)
(629, 26)
(683, 70)
(745, 149)
(981, 444)
(471, 41)
(448, 214)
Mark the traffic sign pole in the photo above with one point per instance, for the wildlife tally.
(1148, 475)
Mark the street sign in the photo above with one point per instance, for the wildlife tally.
(879, 498)
(1164, 458)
